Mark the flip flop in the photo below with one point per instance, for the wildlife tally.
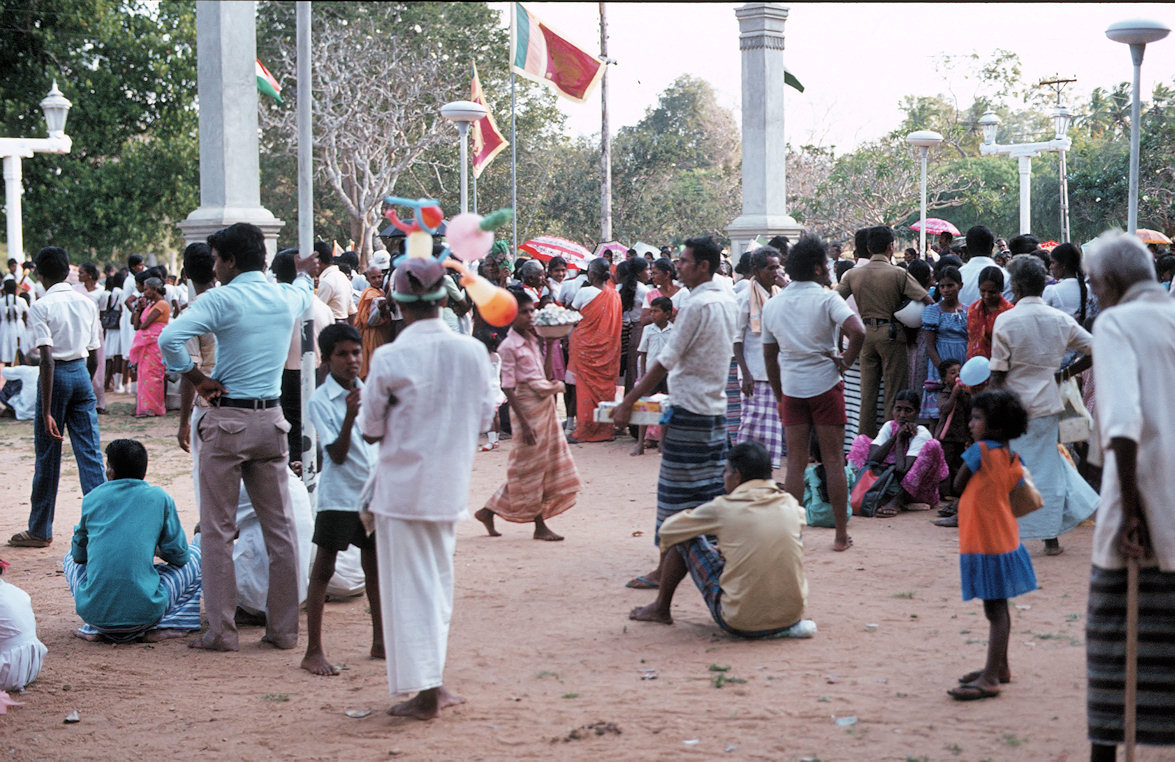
(885, 512)
(971, 692)
(641, 583)
(971, 677)
(26, 540)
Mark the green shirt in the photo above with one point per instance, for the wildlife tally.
(124, 524)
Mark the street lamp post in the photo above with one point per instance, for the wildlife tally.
(924, 140)
(1024, 152)
(1061, 119)
(1136, 33)
(56, 109)
(463, 114)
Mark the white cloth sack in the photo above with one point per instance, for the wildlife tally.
(21, 654)
(25, 403)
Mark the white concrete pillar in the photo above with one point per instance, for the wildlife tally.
(764, 144)
(12, 210)
(1025, 194)
(230, 190)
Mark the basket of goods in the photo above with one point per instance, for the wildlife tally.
(555, 322)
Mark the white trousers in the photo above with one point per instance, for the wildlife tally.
(416, 599)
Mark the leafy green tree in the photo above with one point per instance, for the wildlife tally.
(129, 67)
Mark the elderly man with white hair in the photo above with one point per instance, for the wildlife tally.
(1134, 342)
(1028, 345)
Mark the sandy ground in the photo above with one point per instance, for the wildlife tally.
(541, 646)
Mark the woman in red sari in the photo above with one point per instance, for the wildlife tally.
(595, 352)
(982, 313)
(151, 314)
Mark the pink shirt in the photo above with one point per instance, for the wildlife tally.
(522, 360)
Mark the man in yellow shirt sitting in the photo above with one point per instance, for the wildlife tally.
(753, 577)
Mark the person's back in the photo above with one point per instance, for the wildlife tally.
(123, 523)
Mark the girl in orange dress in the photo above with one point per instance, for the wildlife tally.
(993, 565)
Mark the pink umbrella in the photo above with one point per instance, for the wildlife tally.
(616, 247)
(934, 226)
(547, 246)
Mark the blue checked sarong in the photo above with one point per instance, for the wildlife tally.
(183, 587)
(760, 422)
(693, 457)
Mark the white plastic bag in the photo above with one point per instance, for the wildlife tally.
(1076, 424)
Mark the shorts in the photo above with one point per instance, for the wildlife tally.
(336, 530)
(826, 409)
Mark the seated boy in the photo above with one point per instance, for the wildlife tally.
(349, 462)
(753, 580)
(119, 592)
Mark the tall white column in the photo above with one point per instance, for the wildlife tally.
(230, 190)
(764, 144)
(1025, 194)
(12, 209)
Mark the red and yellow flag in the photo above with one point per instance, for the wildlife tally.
(488, 141)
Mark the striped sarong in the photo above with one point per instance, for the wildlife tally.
(693, 457)
(1105, 660)
(183, 587)
(705, 564)
(760, 422)
(541, 479)
(734, 398)
(852, 378)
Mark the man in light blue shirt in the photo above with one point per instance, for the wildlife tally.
(243, 434)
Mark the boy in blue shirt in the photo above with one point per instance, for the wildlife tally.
(119, 592)
(349, 462)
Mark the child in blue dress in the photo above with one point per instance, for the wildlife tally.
(993, 565)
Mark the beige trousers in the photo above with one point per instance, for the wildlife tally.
(881, 357)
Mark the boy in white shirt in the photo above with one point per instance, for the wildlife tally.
(350, 459)
(654, 338)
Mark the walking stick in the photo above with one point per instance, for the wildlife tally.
(1131, 698)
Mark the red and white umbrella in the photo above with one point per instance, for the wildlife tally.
(934, 226)
(616, 247)
(548, 246)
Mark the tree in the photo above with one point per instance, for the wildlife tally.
(129, 67)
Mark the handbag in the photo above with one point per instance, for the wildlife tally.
(110, 317)
(1075, 423)
(817, 508)
(876, 485)
(1024, 497)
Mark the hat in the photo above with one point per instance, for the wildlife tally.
(382, 260)
(418, 279)
(975, 371)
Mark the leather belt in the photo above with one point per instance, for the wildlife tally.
(253, 404)
(876, 321)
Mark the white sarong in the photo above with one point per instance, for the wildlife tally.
(1068, 499)
(416, 599)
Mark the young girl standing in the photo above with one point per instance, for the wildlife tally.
(993, 565)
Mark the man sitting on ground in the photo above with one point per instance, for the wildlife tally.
(118, 591)
(753, 580)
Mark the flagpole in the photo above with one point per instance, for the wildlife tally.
(605, 140)
(307, 376)
(513, 141)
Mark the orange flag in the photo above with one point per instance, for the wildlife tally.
(488, 142)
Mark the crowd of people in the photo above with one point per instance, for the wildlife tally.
(956, 374)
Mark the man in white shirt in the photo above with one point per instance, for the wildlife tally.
(804, 367)
(697, 362)
(760, 415)
(334, 288)
(979, 244)
(1134, 343)
(427, 398)
(66, 330)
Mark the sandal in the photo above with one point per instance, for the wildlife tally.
(26, 540)
(971, 677)
(886, 512)
(641, 583)
(971, 692)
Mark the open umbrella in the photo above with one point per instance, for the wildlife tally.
(548, 246)
(616, 247)
(1049, 245)
(1146, 235)
(934, 226)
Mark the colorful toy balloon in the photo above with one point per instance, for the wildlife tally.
(418, 245)
(497, 306)
(467, 241)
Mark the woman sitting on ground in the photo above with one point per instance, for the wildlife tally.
(912, 449)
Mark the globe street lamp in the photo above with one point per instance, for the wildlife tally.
(463, 114)
(1136, 33)
(1025, 152)
(925, 140)
(56, 108)
(1061, 118)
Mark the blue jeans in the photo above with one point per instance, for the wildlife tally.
(73, 407)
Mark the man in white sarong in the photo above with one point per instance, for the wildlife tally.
(427, 398)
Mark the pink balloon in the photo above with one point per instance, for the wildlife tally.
(465, 238)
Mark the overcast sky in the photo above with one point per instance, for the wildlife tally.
(854, 59)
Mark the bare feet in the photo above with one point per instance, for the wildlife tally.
(423, 706)
(638, 449)
(281, 644)
(316, 664)
(543, 532)
(154, 636)
(377, 650)
(486, 517)
(842, 545)
(650, 613)
(210, 642)
(89, 637)
(446, 698)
